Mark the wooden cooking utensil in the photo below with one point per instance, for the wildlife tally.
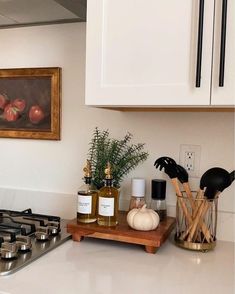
(215, 180)
(226, 183)
(204, 227)
(170, 168)
(182, 176)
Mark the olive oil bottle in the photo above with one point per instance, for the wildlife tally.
(87, 198)
(108, 201)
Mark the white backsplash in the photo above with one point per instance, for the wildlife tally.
(65, 206)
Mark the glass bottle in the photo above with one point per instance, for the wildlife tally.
(158, 202)
(108, 201)
(87, 198)
(137, 193)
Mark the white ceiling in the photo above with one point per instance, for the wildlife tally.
(25, 12)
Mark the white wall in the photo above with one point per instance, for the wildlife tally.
(45, 175)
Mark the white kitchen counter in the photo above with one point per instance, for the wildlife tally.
(106, 267)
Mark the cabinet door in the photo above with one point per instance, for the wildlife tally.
(223, 87)
(145, 52)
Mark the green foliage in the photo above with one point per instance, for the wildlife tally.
(122, 155)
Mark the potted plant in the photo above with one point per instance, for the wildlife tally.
(122, 155)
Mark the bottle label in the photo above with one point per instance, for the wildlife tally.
(84, 204)
(106, 206)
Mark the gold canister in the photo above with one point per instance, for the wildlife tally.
(196, 221)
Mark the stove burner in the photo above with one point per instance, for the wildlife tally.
(42, 233)
(54, 228)
(16, 226)
(28, 213)
(23, 226)
(8, 234)
(24, 243)
(20, 236)
(8, 250)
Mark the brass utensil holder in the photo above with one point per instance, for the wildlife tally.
(196, 222)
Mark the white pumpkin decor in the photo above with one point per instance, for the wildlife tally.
(143, 219)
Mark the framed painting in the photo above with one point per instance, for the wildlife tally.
(30, 103)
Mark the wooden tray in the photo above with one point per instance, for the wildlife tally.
(123, 233)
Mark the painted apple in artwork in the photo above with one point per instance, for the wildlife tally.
(20, 104)
(36, 114)
(11, 113)
(3, 101)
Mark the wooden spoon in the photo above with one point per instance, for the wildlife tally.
(215, 180)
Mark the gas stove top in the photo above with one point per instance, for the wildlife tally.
(25, 236)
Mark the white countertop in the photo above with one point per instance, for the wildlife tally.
(106, 267)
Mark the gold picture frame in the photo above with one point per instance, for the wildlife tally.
(30, 103)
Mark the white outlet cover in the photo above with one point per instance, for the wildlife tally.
(196, 149)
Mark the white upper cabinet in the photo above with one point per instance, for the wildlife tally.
(147, 53)
(223, 82)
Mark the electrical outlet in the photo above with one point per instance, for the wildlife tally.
(190, 159)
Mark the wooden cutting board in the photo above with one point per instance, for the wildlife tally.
(123, 233)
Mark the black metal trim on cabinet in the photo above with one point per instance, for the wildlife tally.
(223, 42)
(199, 43)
